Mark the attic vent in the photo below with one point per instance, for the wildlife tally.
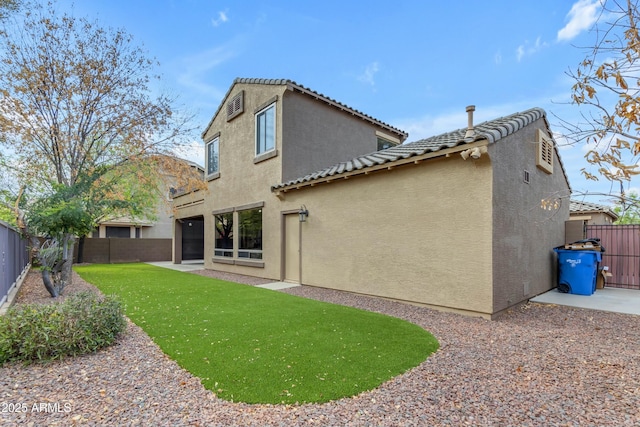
(544, 158)
(235, 106)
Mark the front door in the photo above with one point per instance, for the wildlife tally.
(292, 248)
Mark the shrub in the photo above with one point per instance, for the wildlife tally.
(85, 322)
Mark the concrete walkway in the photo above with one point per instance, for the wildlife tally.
(608, 299)
(194, 265)
(199, 265)
(278, 285)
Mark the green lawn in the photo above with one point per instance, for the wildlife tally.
(255, 345)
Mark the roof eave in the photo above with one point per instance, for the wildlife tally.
(292, 86)
(413, 159)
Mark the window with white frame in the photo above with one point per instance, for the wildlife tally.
(250, 233)
(386, 141)
(383, 144)
(224, 235)
(213, 156)
(266, 129)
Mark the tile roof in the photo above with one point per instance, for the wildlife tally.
(491, 131)
(301, 89)
(577, 206)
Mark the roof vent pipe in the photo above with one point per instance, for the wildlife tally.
(470, 134)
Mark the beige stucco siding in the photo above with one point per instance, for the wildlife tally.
(524, 232)
(243, 181)
(419, 233)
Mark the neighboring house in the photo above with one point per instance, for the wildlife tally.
(305, 189)
(583, 213)
(591, 213)
(136, 229)
(160, 227)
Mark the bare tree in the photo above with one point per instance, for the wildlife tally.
(7, 7)
(76, 100)
(607, 91)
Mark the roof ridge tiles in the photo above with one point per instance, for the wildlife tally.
(303, 88)
(491, 131)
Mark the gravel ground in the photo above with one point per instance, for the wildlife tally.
(539, 365)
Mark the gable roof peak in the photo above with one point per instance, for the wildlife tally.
(293, 86)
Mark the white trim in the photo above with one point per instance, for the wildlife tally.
(216, 173)
(387, 137)
(257, 114)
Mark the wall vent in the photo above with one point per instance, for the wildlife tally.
(235, 106)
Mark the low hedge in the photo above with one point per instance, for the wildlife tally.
(83, 323)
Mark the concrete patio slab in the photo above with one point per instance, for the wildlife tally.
(278, 285)
(608, 299)
(185, 266)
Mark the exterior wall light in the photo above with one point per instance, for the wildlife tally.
(303, 213)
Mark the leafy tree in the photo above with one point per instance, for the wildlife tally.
(81, 128)
(607, 89)
(628, 209)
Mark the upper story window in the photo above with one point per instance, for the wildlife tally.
(213, 157)
(266, 129)
(235, 106)
(386, 141)
(383, 144)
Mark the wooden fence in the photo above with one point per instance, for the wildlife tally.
(622, 253)
(116, 250)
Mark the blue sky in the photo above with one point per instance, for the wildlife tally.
(413, 64)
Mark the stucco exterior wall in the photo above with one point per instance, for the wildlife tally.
(524, 233)
(307, 139)
(318, 136)
(242, 182)
(162, 227)
(419, 233)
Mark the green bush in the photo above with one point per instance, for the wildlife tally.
(83, 323)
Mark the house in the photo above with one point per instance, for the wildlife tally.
(305, 189)
(127, 239)
(591, 213)
(581, 214)
(160, 226)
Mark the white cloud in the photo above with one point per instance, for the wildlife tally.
(527, 49)
(497, 58)
(369, 74)
(197, 70)
(193, 151)
(448, 121)
(222, 18)
(583, 14)
(562, 142)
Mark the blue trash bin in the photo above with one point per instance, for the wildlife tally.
(577, 271)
